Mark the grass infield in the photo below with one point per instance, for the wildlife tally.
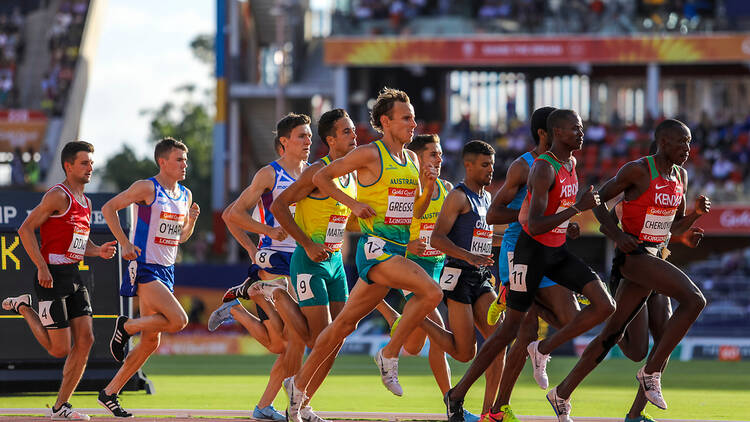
(693, 390)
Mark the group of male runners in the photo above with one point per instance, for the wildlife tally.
(420, 235)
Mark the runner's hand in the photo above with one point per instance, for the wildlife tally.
(277, 233)
(130, 251)
(589, 199)
(195, 211)
(44, 277)
(627, 242)
(362, 210)
(702, 205)
(430, 173)
(479, 260)
(318, 252)
(108, 250)
(416, 247)
(692, 237)
(574, 230)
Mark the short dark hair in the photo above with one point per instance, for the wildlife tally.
(539, 121)
(557, 118)
(287, 123)
(476, 147)
(327, 122)
(384, 104)
(71, 149)
(165, 145)
(419, 142)
(668, 125)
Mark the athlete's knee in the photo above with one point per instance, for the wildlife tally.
(605, 307)
(696, 301)
(84, 341)
(177, 323)
(59, 350)
(467, 355)
(434, 294)
(150, 341)
(342, 327)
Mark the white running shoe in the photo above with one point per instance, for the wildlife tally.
(296, 398)
(12, 303)
(67, 413)
(389, 373)
(652, 387)
(559, 405)
(309, 416)
(266, 287)
(539, 361)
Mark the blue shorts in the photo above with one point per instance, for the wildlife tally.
(141, 273)
(373, 250)
(505, 261)
(270, 261)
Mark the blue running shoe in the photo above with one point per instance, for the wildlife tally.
(470, 417)
(221, 315)
(267, 413)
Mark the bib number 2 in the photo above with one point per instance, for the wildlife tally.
(449, 279)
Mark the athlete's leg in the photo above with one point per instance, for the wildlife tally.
(387, 312)
(168, 315)
(666, 279)
(324, 369)
(634, 343)
(401, 273)
(630, 299)
(269, 338)
(460, 342)
(306, 321)
(75, 364)
(286, 365)
(659, 312)
(495, 370)
(55, 341)
(362, 300)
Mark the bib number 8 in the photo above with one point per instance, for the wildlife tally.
(263, 258)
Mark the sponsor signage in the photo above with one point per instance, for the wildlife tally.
(22, 129)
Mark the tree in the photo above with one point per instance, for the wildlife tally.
(124, 168)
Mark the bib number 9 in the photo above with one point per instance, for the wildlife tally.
(304, 292)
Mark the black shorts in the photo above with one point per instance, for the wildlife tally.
(615, 276)
(68, 297)
(465, 284)
(533, 260)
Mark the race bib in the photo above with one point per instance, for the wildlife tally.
(481, 242)
(656, 224)
(449, 278)
(169, 229)
(77, 248)
(517, 277)
(293, 209)
(44, 313)
(565, 203)
(263, 258)
(425, 233)
(304, 292)
(400, 206)
(335, 231)
(374, 247)
(133, 271)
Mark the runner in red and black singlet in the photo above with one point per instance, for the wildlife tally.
(540, 251)
(63, 218)
(653, 207)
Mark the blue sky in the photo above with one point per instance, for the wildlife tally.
(142, 56)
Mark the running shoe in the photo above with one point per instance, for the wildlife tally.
(268, 413)
(266, 287)
(395, 324)
(239, 291)
(13, 304)
(111, 403)
(119, 339)
(583, 300)
(559, 405)
(296, 398)
(539, 361)
(470, 417)
(651, 384)
(67, 413)
(309, 416)
(643, 417)
(221, 315)
(504, 415)
(497, 307)
(389, 373)
(453, 408)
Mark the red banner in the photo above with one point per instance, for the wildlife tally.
(503, 50)
(733, 220)
(22, 129)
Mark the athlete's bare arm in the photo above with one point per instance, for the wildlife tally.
(193, 212)
(683, 222)
(239, 214)
(541, 178)
(418, 246)
(142, 191)
(297, 191)
(626, 179)
(456, 203)
(106, 250)
(424, 196)
(499, 213)
(239, 235)
(53, 202)
(366, 161)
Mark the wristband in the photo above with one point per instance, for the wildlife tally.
(575, 208)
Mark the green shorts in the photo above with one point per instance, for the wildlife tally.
(373, 250)
(318, 283)
(433, 269)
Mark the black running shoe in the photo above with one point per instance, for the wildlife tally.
(239, 291)
(111, 403)
(454, 408)
(119, 339)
